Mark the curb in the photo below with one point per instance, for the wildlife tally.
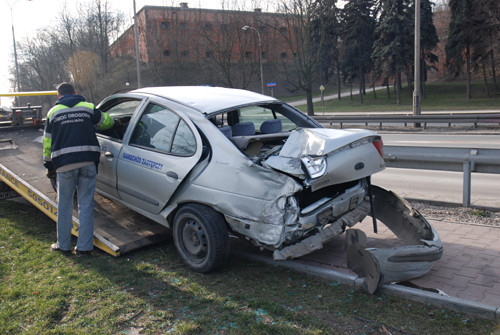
(460, 305)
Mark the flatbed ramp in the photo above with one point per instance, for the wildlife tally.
(117, 229)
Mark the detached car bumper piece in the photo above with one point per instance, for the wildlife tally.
(422, 245)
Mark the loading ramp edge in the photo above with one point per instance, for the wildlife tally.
(49, 207)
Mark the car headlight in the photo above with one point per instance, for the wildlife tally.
(315, 166)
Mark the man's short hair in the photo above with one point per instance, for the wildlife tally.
(65, 88)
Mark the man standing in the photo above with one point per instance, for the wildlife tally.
(71, 149)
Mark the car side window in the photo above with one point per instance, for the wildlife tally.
(164, 130)
(121, 110)
(184, 140)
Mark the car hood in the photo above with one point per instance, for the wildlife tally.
(346, 151)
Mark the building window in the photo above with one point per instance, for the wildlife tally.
(209, 54)
(263, 54)
(164, 24)
(166, 53)
(248, 54)
(224, 27)
(283, 55)
(184, 53)
(183, 26)
(208, 26)
(283, 30)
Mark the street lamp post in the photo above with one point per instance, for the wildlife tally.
(15, 49)
(260, 57)
(417, 74)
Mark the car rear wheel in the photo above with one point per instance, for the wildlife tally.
(201, 237)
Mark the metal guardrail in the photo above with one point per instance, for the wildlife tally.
(449, 118)
(446, 159)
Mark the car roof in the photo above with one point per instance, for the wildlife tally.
(207, 99)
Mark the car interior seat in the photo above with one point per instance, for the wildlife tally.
(244, 129)
(227, 131)
(271, 126)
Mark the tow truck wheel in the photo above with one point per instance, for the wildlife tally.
(201, 237)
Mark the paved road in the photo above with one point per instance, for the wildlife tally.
(442, 186)
(476, 141)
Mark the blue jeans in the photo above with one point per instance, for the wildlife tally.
(81, 180)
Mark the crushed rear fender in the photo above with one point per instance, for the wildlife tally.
(422, 245)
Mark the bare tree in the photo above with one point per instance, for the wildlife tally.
(97, 23)
(225, 49)
(41, 65)
(83, 67)
(46, 58)
(163, 47)
(297, 24)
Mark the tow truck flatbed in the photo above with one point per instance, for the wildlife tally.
(117, 229)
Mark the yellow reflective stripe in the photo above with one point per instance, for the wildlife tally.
(47, 145)
(105, 122)
(76, 149)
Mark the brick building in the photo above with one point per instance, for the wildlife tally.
(182, 45)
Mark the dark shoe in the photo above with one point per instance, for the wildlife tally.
(55, 247)
(82, 253)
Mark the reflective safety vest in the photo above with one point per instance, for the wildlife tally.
(69, 135)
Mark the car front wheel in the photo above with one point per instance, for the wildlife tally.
(201, 237)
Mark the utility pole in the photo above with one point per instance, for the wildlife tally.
(416, 90)
(137, 56)
(11, 6)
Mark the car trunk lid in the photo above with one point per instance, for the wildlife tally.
(324, 157)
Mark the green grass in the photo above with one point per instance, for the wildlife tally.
(440, 96)
(43, 292)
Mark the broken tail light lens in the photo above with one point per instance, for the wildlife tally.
(379, 145)
(315, 166)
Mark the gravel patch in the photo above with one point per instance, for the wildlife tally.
(460, 215)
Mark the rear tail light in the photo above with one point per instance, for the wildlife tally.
(379, 145)
(315, 166)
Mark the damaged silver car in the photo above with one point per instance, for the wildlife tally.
(211, 163)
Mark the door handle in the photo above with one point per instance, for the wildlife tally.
(172, 174)
(108, 154)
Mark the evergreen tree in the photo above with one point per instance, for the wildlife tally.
(460, 38)
(428, 40)
(358, 35)
(487, 26)
(472, 28)
(393, 49)
(329, 26)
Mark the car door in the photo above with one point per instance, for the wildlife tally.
(162, 148)
(110, 141)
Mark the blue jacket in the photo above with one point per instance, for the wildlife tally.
(69, 135)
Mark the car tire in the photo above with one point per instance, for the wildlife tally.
(201, 237)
